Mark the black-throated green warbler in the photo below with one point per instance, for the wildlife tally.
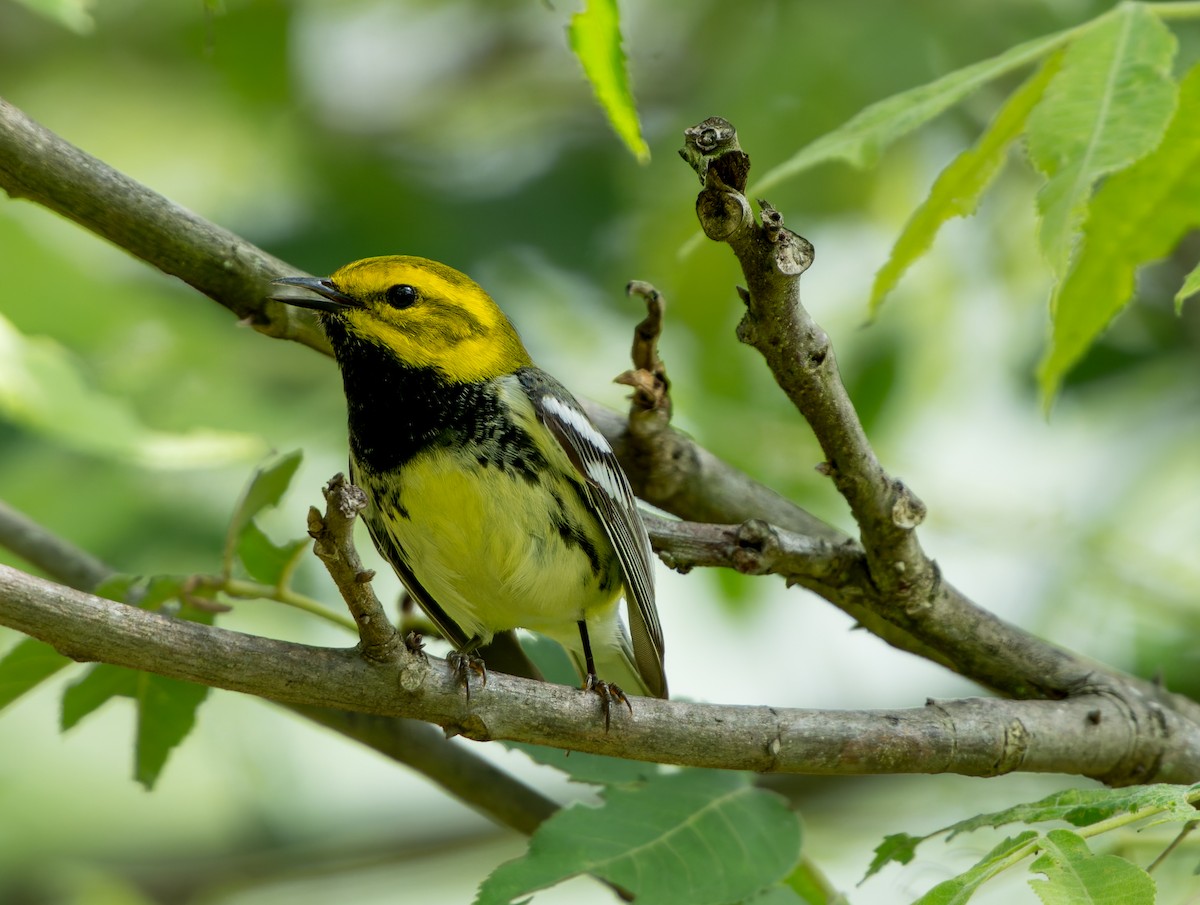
(489, 491)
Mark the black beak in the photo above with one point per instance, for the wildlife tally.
(331, 300)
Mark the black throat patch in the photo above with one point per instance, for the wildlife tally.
(396, 412)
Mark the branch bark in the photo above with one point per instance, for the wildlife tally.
(1094, 735)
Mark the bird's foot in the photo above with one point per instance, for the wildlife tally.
(414, 644)
(609, 693)
(463, 664)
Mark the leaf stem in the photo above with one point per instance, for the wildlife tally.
(253, 590)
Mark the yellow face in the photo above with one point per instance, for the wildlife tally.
(428, 315)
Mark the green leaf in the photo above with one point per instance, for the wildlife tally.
(590, 768)
(1137, 216)
(899, 847)
(1075, 876)
(811, 886)
(861, 140)
(166, 711)
(265, 560)
(782, 895)
(958, 890)
(166, 715)
(266, 488)
(1083, 807)
(692, 838)
(1191, 286)
(1106, 108)
(1080, 807)
(97, 687)
(118, 586)
(43, 389)
(26, 666)
(595, 38)
(959, 187)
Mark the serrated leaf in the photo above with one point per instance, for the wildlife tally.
(166, 711)
(265, 560)
(1137, 216)
(266, 488)
(595, 38)
(899, 847)
(1083, 807)
(691, 838)
(166, 715)
(1106, 108)
(958, 890)
(861, 140)
(958, 188)
(26, 666)
(1190, 287)
(43, 389)
(1075, 876)
(97, 687)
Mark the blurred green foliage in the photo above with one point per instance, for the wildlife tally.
(464, 131)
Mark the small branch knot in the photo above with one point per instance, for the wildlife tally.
(714, 144)
(794, 253)
(348, 499)
(907, 510)
(722, 213)
(757, 547)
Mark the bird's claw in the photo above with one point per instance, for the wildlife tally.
(608, 692)
(463, 664)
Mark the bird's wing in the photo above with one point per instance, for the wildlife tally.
(610, 497)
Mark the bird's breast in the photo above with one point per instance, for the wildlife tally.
(497, 540)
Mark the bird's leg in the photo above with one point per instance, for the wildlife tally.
(608, 691)
(464, 662)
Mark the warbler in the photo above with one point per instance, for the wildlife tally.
(489, 491)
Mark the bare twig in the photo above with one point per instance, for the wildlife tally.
(333, 536)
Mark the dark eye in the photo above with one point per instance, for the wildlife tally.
(401, 295)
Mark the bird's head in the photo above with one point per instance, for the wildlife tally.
(422, 313)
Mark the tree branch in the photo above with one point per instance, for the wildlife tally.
(1094, 735)
(902, 585)
(38, 165)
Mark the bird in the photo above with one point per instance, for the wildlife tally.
(489, 491)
